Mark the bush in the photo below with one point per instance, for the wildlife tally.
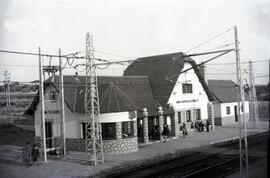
(7, 125)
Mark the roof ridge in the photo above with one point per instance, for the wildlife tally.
(114, 93)
(160, 55)
(125, 95)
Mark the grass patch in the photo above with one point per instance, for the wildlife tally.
(11, 135)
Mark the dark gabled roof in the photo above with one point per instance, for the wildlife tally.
(116, 93)
(157, 68)
(163, 72)
(113, 99)
(121, 93)
(224, 90)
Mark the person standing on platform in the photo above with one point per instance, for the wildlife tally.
(165, 132)
(207, 125)
(27, 154)
(35, 153)
(156, 132)
(184, 130)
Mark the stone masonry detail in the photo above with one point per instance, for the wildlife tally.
(145, 126)
(161, 122)
(126, 145)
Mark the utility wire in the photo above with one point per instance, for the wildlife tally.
(211, 39)
(36, 54)
(116, 55)
(218, 47)
(233, 63)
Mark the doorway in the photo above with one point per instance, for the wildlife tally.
(153, 128)
(235, 114)
(48, 134)
(140, 130)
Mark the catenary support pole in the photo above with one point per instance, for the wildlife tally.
(254, 114)
(243, 155)
(93, 136)
(41, 96)
(63, 120)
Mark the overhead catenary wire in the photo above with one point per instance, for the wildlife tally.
(36, 54)
(233, 63)
(116, 55)
(211, 39)
(218, 47)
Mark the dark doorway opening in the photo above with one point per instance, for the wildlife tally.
(235, 114)
(140, 130)
(48, 134)
(153, 128)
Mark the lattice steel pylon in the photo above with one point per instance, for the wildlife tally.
(93, 137)
(242, 124)
(253, 110)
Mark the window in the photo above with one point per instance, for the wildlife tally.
(198, 114)
(188, 115)
(83, 125)
(187, 88)
(52, 95)
(108, 131)
(179, 117)
(241, 108)
(127, 129)
(228, 110)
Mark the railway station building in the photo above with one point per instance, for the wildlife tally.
(153, 91)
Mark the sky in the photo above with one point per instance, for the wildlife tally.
(128, 29)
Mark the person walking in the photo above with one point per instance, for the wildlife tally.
(27, 154)
(165, 132)
(35, 153)
(184, 130)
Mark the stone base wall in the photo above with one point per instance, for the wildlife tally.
(56, 141)
(218, 121)
(227, 120)
(75, 144)
(126, 145)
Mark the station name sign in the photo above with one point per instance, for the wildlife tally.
(187, 101)
(52, 112)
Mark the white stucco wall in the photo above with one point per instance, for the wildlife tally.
(73, 120)
(71, 126)
(217, 110)
(184, 101)
(223, 106)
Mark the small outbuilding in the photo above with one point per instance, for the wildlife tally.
(226, 107)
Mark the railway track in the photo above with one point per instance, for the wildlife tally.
(224, 160)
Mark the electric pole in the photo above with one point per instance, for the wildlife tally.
(62, 110)
(93, 136)
(41, 98)
(254, 114)
(243, 152)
